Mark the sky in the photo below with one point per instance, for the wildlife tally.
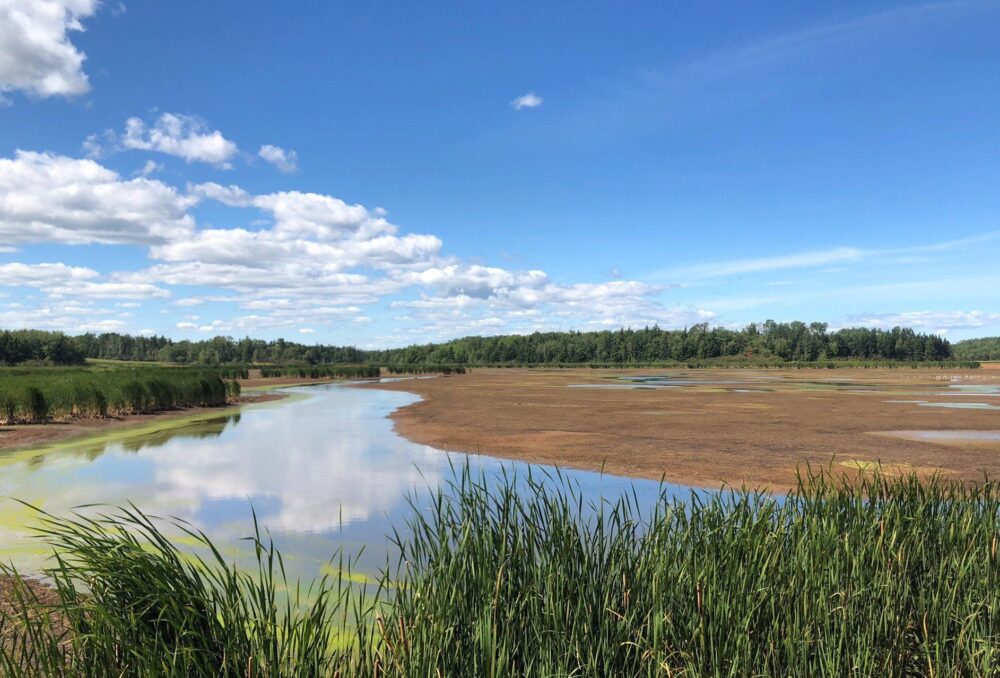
(381, 174)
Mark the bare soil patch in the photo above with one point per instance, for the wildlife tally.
(705, 434)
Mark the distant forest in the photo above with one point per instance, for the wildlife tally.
(795, 341)
(987, 348)
(790, 342)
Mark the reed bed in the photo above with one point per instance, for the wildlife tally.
(887, 576)
(41, 393)
(321, 371)
(426, 369)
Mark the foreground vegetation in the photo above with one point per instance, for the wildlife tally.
(770, 343)
(38, 394)
(889, 577)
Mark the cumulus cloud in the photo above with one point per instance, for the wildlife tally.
(306, 258)
(476, 280)
(284, 160)
(183, 136)
(231, 195)
(36, 55)
(506, 301)
(75, 316)
(313, 215)
(60, 280)
(529, 100)
(42, 275)
(53, 198)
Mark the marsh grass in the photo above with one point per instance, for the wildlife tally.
(36, 394)
(320, 371)
(425, 369)
(887, 576)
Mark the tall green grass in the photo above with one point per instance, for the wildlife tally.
(39, 393)
(888, 577)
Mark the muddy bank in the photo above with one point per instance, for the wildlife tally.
(730, 426)
(32, 435)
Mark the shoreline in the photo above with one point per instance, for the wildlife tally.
(63, 432)
(54, 434)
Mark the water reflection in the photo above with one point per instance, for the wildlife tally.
(323, 471)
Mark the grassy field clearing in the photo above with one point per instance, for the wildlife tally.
(888, 577)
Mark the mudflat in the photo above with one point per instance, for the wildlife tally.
(709, 427)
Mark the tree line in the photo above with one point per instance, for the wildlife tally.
(771, 341)
(794, 341)
(21, 347)
(215, 351)
(987, 348)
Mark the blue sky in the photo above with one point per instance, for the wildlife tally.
(388, 173)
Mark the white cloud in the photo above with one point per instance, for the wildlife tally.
(313, 215)
(475, 280)
(284, 160)
(60, 280)
(529, 100)
(149, 167)
(527, 302)
(306, 330)
(183, 136)
(108, 290)
(231, 195)
(36, 55)
(43, 275)
(53, 198)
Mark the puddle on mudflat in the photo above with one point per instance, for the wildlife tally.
(951, 406)
(750, 383)
(987, 390)
(957, 436)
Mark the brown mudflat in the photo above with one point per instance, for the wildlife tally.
(729, 426)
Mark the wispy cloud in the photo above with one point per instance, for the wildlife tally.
(285, 160)
(813, 259)
(934, 321)
(783, 46)
(758, 265)
(674, 91)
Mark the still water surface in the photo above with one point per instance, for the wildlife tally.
(323, 470)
